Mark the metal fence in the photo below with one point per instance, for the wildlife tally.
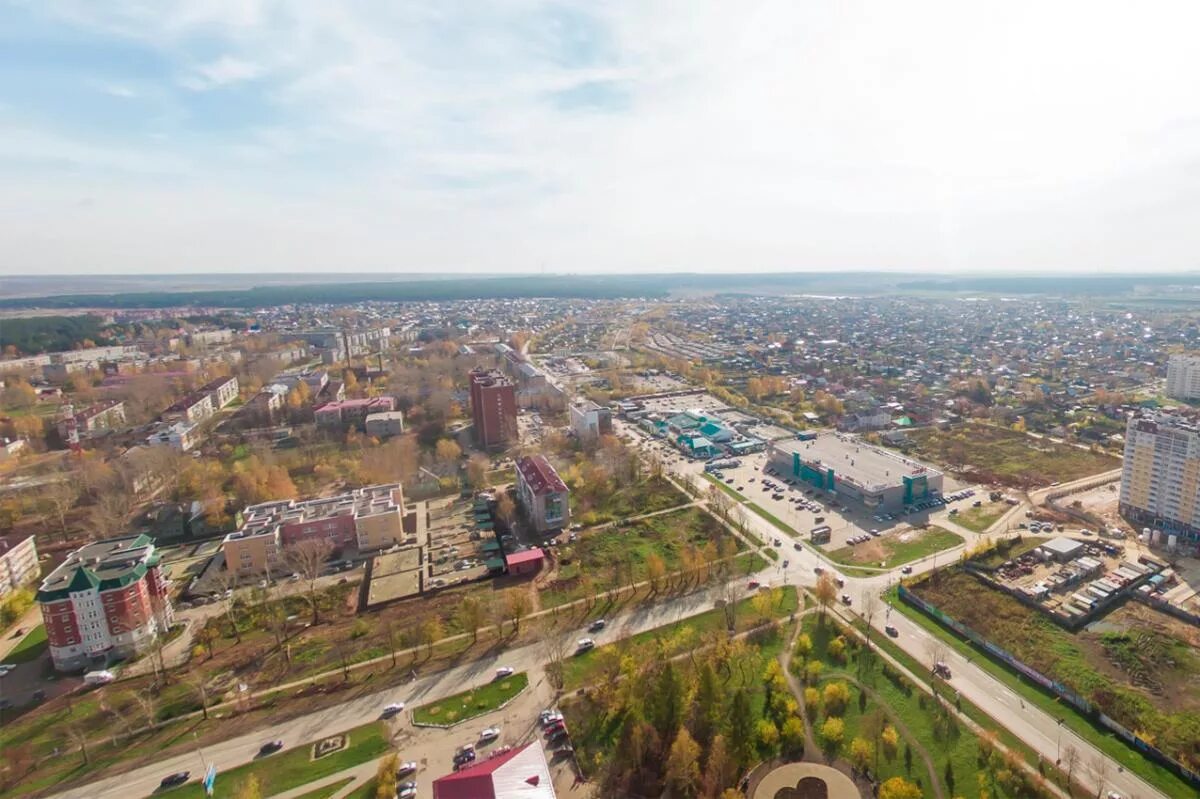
(1058, 689)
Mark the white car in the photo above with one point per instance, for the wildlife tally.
(584, 644)
(504, 671)
(404, 769)
(393, 709)
(490, 734)
(5, 668)
(406, 790)
(549, 717)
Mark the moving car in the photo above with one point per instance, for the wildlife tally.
(941, 670)
(891, 631)
(906, 570)
(172, 780)
(504, 671)
(584, 644)
(393, 709)
(597, 626)
(490, 734)
(270, 747)
(845, 599)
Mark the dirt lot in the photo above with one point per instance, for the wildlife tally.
(989, 454)
(1138, 665)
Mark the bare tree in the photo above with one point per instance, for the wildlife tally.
(198, 682)
(1071, 757)
(227, 582)
(516, 606)
(147, 702)
(555, 645)
(1098, 767)
(110, 513)
(870, 607)
(307, 558)
(60, 498)
(725, 595)
(78, 737)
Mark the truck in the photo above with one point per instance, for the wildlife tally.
(98, 678)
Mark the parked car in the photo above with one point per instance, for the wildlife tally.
(406, 790)
(172, 780)
(490, 734)
(405, 769)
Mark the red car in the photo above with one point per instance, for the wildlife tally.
(753, 584)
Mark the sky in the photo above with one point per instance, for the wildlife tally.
(151, 136)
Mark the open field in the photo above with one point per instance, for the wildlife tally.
(631, 551)
(987, 454)
(981, 518)
(585, 669)
(644, 496)
(1141, 667)
(294, 767)
(472, 703)
(896, 549)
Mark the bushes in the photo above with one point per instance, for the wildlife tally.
(15, 606)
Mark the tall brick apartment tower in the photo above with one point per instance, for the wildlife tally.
(493, 408)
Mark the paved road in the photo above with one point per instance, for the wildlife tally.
(236, 751)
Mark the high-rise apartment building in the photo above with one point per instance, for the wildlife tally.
(493, 408)
(1160, 480)
(1183, 377)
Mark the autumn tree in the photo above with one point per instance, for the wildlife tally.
(471, 615)
(515, 606)
(833, 732)
(249, 788)
(826, 591)
(861, 753)
(385, 777)
(900, 788)
(447, 452)
(683, 765)
(307, 558)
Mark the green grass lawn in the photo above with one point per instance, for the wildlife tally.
(364, 791)
(981, 518)
(893, 550)
(581, 670)
(295, 767)
(1099, 737)
(645, 496)
(327, 791)
(469, 704)
(30, 648)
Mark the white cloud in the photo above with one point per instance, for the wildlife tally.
(924, 135)
(225, 70)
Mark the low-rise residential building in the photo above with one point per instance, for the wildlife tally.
(107, 601)
(93, 419)
(589, 421)
(383, 425)
(18, 563)
(221, 391)
(352, 412)
(194, 408)
(367, 519)
(181, 435)
(543, 494)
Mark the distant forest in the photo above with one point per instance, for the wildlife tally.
(38, 334)
(629, 286)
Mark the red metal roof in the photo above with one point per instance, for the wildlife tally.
(539, 475)
(524, 556)
(519, 774)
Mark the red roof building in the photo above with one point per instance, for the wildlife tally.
(524, 562)
(520, 774)
(543, 494)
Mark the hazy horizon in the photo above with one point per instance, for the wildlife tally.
(209, 137)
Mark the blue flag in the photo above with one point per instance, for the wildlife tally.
(210, 778)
